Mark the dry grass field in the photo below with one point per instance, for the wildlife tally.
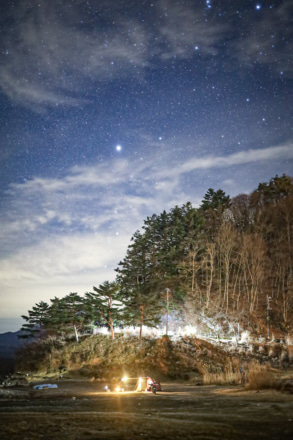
(78, 410)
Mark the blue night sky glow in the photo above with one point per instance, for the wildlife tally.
(114, 110)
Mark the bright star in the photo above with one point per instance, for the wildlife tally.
(258, 7)
(118, 148)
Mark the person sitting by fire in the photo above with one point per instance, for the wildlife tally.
(150, 382)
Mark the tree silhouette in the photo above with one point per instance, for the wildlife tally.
(104, 303)
(36, 321)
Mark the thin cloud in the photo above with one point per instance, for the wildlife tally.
(58, 267)
(61, 52)
(184, 32)
(268, 41)
(101, 198)
(57, 52)
(66, 234)
(284, 152)
(56, 260)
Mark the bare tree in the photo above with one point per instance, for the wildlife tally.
(253, 256)
(209, 267)
(226, 244)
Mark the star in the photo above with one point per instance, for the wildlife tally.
(107, 101)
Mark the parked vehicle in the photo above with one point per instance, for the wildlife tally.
(136, 384)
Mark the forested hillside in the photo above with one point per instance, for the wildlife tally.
(228, 259)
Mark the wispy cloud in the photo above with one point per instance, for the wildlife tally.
(107, 192)
(56, 51)
(242, 157)
(57, 266)
(71, 255)
(184, 33)
(113, 198)
(268, 41)
(65, 234)
(63, 52)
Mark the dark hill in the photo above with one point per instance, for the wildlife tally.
(9, 343)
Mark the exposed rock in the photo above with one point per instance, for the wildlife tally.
(287, 386)
(14, 381)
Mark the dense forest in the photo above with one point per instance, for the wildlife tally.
(228, 259)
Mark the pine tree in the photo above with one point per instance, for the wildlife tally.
(173, 237)
(213, 207)
(105, 304)
(136, 276)
(67, 313)
(36, 321)
(215, 200)
(192, 245)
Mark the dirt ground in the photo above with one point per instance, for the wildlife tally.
(78, 410)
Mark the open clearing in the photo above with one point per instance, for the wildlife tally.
(82, 410)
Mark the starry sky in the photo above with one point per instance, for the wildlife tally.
(113, 110)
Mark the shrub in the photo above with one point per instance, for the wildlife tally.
(262, 377)
(254, 376)
(224, 378)
(232, 375)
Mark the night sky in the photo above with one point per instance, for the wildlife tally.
(112, 110)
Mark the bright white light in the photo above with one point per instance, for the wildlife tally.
(258, 7)
(118, 148)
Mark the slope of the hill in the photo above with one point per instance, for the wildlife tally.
(100, 357)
